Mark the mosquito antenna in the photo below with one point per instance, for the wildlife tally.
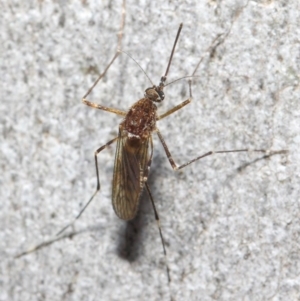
(163, 79)
(178, 79)
(139, 66)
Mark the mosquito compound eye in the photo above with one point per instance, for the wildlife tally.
(153, 94)
(161, 95)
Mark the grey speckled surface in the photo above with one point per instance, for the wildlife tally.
(232, 233)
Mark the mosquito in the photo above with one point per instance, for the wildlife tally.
(134, 149)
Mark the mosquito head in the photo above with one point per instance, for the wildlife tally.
(155, 93)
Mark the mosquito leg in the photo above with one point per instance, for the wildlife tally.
(181, 105)
(146, 172)
(157, 218)
(118, 51)
(97, 188)
(160, 233)
(45, 244)
(175, 167)
(176, 108)
(97, 106)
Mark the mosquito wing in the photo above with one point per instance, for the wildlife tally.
(131, 166)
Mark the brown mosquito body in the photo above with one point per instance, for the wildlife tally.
(133, 157)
